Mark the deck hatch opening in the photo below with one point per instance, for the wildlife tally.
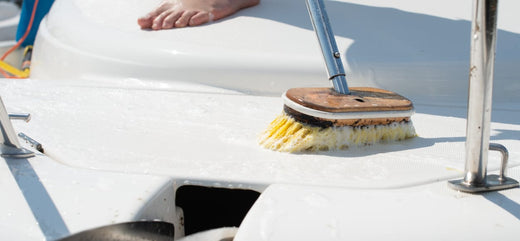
(207, 208)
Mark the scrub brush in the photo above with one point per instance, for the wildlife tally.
(320, 119)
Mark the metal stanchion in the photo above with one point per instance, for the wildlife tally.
(483, 44)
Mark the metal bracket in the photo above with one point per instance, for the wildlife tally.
(491, 182)
(9, 145)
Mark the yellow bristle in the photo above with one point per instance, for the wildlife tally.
(285, 134)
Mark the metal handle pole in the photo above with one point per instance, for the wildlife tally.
(483, 42)
(321, 25)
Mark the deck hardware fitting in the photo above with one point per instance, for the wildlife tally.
(492, 182)
(34, 144)
(483, 45)
(9, 145)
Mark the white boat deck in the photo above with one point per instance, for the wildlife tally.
(214, 136)
(125, 114)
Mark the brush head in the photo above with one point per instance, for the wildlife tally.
(319, 119)
(363, 106)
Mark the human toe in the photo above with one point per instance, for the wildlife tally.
(159, 20)
(169, 21)
(200, 18)
(184, 19)
(145, 21)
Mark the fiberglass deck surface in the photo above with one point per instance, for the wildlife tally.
(202, 135)
(191, 102)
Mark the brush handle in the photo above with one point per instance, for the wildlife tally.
(329, 49)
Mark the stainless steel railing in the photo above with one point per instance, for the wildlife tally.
(9, 144)
(483, 44)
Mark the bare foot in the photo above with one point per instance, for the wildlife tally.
(182, 13)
